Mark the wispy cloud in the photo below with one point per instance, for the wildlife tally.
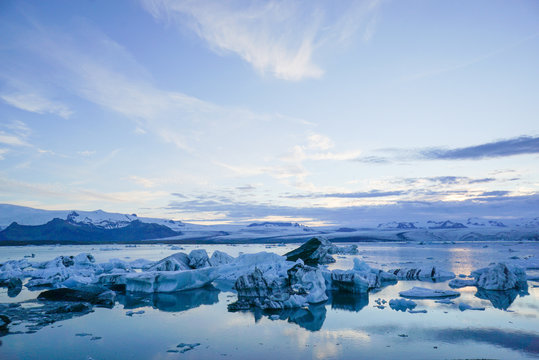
(98, 69)
(495, 149)
(14, 133)
(10, 139)
(276, 37)
(351, 195)
(36, 103)
(488, 206)
(447, 180)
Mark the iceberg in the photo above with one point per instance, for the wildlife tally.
(359, 280)
(169, 281)
(459, 283)
(219, 258)
(199, 259)
(500, 277)
(175, 262)
(301, 286)
(402, 304)
(63, 271)
(92, 294)
(270, 264)
(425, 273)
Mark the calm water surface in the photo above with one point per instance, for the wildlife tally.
(346, 327)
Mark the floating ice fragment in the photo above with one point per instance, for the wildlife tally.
(424, 293)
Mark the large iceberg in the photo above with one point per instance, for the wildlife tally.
(301, 286)
(219, 258)
(169, 281)
(500, 277)
(175, 262)
(268, 263)
(359, 280)
(198, 258)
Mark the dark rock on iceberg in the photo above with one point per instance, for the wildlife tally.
(95, 295)
(14, 287)
(4, 322)
(313, 252)
(71, 308)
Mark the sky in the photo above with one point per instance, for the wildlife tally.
(321, 112)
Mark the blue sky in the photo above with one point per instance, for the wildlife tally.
(224, 112)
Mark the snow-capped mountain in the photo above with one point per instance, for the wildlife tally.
(23, 223)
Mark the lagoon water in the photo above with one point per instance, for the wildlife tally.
(345, 327)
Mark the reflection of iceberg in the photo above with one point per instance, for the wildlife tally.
(500, 299)
(311, 318)
(348, 301)
(172, 302)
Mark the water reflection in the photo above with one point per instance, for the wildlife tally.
(515, 340)
(500, 299)
(348, 301)
(172, 302)
(310, 318)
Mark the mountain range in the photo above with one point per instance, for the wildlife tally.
(20, 224)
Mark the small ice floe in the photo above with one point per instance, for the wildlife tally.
(424, 293)
(444, 301)
(131, 313)
(417, 311)
(176, 247)
(500, 277)
(187, 347)
(274, 317)
(428, 273)
(402, 304)
(459, 283)
(380, 303)
(464, 307)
